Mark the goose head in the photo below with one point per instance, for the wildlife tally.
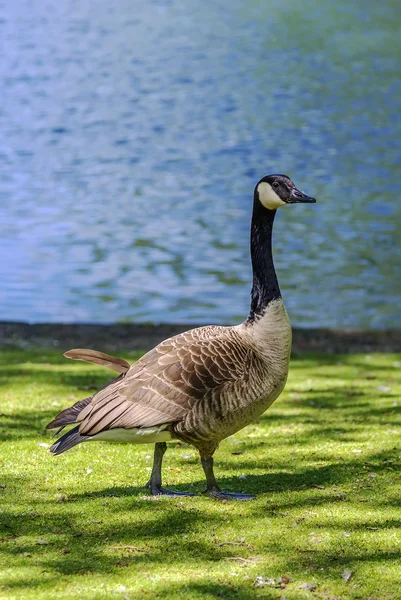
(274, 191)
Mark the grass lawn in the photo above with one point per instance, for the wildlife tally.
(324, 462)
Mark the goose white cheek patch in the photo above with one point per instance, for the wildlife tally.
(268, 196)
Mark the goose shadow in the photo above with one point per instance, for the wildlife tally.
(260, 485)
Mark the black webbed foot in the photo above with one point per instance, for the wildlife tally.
(213, 489)
(219, 495)
(159, 490)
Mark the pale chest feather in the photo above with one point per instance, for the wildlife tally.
(270, 334)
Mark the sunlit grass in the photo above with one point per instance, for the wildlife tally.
(323, 461)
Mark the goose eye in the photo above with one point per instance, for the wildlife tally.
(275, 184)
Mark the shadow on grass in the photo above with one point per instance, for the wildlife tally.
(163, 532)
(68, 377)
(335, 474)
(52, 356)
(100, 548)
(87, 532)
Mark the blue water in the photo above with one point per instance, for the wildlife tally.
(132, 135)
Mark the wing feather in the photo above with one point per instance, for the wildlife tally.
(99, 358)
(166, 383)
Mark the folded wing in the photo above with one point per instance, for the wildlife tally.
(166, 383)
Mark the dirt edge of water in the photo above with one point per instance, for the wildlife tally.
(125, 337)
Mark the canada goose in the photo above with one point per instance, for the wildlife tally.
(202, 385)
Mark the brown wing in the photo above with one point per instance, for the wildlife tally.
(163, 386)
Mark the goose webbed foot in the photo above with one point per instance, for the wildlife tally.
(217, 494)
(159, 490)
(213, 489)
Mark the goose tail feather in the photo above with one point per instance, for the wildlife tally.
(68, 440)
(69, 415)
(99, 358)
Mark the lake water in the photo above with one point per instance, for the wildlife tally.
(132, 135)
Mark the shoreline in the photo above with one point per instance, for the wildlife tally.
(131, 337)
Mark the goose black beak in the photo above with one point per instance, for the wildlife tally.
(298, 196)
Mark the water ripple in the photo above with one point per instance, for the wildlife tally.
(132, 137)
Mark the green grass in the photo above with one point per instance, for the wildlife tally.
(324, 462)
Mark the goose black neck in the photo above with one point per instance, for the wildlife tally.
(265, 285)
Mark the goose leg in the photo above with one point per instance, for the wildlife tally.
(155, 482)
(213, 489)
